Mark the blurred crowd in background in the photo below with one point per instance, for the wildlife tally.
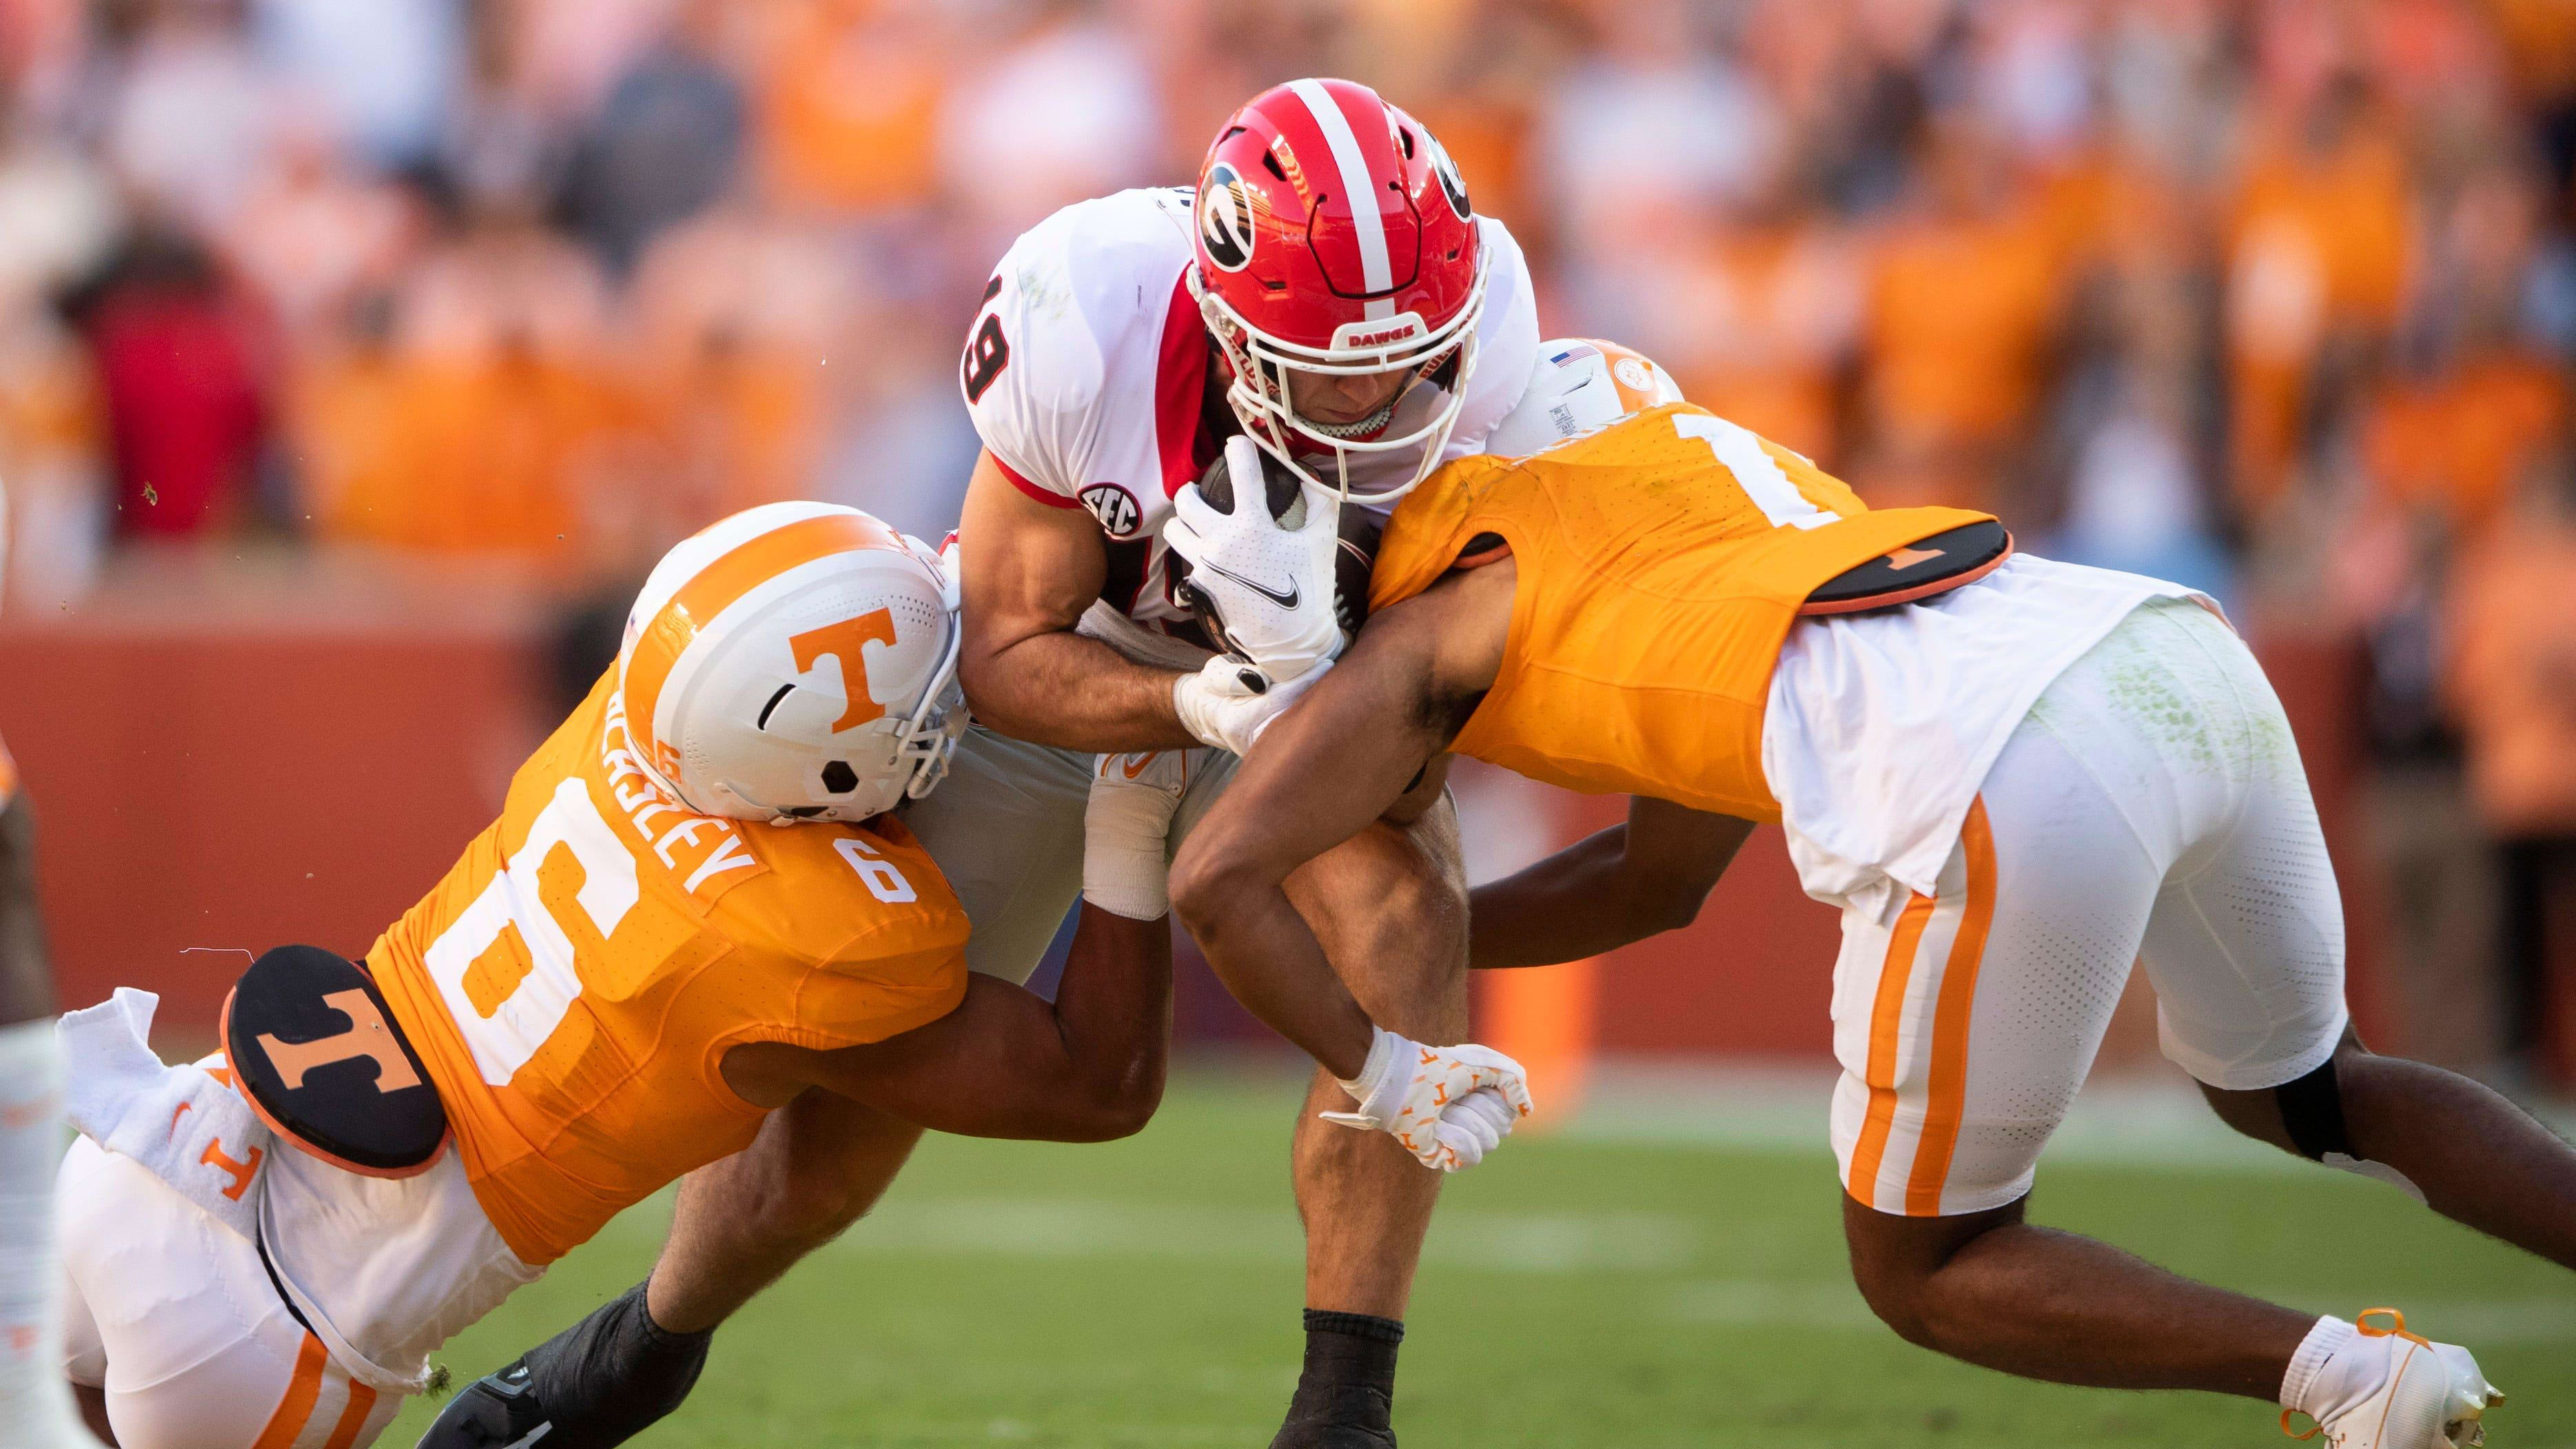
(2275, 297)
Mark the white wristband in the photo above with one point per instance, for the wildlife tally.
(1373, 1071)
(1126, 827)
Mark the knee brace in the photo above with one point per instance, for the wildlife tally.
(2312, 1110)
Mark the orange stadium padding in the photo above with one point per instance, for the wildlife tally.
(1752, 977)
(230, 785)
(1547, 1018)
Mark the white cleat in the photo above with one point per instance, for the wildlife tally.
(2434, 1396)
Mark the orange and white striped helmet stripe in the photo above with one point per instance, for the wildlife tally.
(733, 559)
(1640, 382)
(1917, 1071)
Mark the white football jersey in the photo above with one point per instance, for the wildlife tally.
(1087, 375)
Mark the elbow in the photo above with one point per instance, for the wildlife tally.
(1673, 913)
(976, 678)
(1126, 1114)
(1668, 906)
(1120, 1108)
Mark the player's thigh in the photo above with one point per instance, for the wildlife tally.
(2246, 946)
(1005, 828)
(1389, 907)
(1965, 1020)
(817, 1166)
(180, 1327)
(84, 1354)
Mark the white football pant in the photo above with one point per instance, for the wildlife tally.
(2150, 808)
(172, 1314)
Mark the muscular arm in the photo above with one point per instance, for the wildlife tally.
(1030, 570)
(1615, 886)
(1325, 770)
(1006, 1063)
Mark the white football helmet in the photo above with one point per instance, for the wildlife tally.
(796, 661)
(1580, 383)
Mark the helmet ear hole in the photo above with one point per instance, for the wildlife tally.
(839, 778)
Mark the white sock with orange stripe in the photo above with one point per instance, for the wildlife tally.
(35, 1401)
(2336, 1367)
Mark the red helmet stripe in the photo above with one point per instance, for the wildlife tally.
(1366, 221)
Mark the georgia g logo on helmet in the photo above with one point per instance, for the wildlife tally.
(1225, 219)
(1452, 185)
(1402, 129)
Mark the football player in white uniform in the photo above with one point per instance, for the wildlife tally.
(34, 1408)
(1121, 344)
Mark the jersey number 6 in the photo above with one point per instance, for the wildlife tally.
(523, 893)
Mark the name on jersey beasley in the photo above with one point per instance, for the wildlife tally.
(725, 853)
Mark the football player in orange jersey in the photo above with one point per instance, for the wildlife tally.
(2014, 776)
(694, 908)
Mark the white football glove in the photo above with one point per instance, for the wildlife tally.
(1448, 1105)
(1218, 707)
(1126, 829)
(1270, 586)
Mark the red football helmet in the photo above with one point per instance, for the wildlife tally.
(1334, 237)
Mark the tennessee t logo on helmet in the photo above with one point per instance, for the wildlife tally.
(847, 642)
(722, 678)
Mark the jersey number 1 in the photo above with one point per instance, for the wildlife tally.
(1755, 470)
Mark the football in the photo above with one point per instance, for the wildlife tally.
(1353, 561)
(1285, 496)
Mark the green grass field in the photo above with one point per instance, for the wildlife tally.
(1576, 1292)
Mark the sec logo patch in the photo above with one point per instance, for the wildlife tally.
(1115, 507)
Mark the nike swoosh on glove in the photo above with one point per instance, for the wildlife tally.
(1448, 1105)
(1218, 707)
(1269, 587)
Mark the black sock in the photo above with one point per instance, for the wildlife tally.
(615, 1373)
(1346, 1394)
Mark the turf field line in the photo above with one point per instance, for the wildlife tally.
(2475, 1322)
(2149, 1119)
(1078, 1228)
(1020, 1431)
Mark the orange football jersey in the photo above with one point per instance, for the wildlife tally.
(1662, 560)
(575, 981)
